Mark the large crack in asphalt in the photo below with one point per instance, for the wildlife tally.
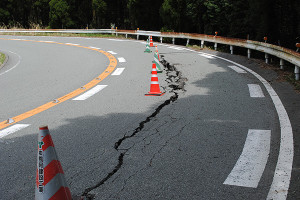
(175, 82)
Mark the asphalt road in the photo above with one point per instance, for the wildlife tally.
(218, 137)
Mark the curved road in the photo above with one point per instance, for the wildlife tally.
(225, 135)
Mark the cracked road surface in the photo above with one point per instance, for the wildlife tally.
(120, 144)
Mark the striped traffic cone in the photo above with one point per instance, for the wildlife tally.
(156, 50)
(154, 87)
(151, 42)
(50, 180)
(147, 47)
(158, 67)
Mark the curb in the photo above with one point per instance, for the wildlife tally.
(5, 61)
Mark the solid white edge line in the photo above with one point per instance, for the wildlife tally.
(255, 91)
(251, 164)
(12, 129)
(14, 65)
(118, 72)
(90, 93)
(237, 69)
(121, 59)
(283, 171)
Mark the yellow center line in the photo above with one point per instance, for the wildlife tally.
(112, 65)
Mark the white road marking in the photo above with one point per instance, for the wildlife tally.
(118, 40)
(90, 93)
(255, 91)
(72, 44)
(14, 65)
(206, 55)
(111, 52)
(94, 47)
(252, 162)
(237, 69)
(48, 41)
(12, 129)
(282, 176)
(176, 48)
(121, 59)
(118, 72)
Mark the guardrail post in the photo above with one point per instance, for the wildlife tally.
(187, 42)
(249, 53)
(267, 58)
(137, 37)
(281, 64)
(161, 39)
(297, 73)
(231, 49)
(173, 40)
(126, 35)
(216, 45)
(202, 44)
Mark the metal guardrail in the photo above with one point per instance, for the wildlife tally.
(269, 49)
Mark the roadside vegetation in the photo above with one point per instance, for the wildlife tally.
(254, 19)
(2, 58)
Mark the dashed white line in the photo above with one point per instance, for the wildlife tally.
(90, 93)
(252, 162)
(121, 59)
(94, 47)
(118, 40)
(72, 44)
(176, 48)
(255, 91)
(12, 129)
(282, 176)
(111, 52)
(206, 55)
(118, 72)
(237, 69)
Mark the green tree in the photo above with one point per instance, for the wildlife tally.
(99, 12)
(59, 14)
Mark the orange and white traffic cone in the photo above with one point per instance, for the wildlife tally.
(151, 42)
(154, 86)
(156, 50)
(50, 180)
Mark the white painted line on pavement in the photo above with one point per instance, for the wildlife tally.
(94, 47)
(118, 72)
(12, 129)
(118, 40)
(176, 48)
(111, 52)
(14, 65)
(252, 162)
(237, 69)
(255, 91)
(121, 59)
(206, 55)
(90, 93)
(72, 44)
(282, 176)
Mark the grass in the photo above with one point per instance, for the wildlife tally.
(97, 35)
(2, 58)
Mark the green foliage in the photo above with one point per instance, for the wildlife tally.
(276, 19)
(2, 58)
(59, 14)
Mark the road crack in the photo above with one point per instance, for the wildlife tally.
(175, 82)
